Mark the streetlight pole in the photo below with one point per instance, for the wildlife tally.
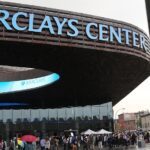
(115, 117)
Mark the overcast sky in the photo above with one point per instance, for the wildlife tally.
(131, 11)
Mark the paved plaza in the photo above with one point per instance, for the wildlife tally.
(135, 147)
(147, 147)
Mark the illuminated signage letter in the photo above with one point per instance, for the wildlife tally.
(70, 24)
(31, 23)
(3, 19)
(47, 24)
(14, 21)
(126, 35)
(135, 39)
(60, 25)
(103, 29)
(143, 43)
(116, 34)
(88, 27)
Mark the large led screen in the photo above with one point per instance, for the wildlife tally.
(21, 85)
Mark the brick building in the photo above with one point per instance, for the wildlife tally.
(126, 121)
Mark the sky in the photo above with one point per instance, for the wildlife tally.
(131, 11)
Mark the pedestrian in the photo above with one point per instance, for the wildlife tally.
(100, 140)
(85, 142)
(66, 142)
(47, 144)
(42, 144)
(12, 146)
(28, 146)
(147, 136)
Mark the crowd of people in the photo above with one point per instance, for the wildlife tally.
(126, 139)
(71, 141)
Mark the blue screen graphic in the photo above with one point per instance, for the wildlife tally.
(6, 104)
(21, 85)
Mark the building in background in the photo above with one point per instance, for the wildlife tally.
(145, 121)
(126, 121)
(132, 121)
(138, 118)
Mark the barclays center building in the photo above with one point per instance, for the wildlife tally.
(63, 70)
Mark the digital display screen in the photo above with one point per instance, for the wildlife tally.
(6, 104)
(21, 85)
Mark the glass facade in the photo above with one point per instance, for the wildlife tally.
(51, 121)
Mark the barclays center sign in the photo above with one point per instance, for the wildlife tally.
(106, 33)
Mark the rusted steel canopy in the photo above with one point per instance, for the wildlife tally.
(91, 72)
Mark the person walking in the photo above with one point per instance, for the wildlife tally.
(42, 144)
(11, 145)
(47, 144)
(100, 140)
(66, 142)
(85, 143)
